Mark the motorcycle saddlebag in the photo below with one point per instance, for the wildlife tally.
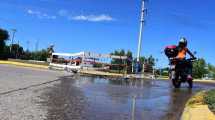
(171, 51)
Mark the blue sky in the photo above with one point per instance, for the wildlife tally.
(105, 25)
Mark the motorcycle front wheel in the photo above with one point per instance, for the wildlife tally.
(190, 83)
(176, 83)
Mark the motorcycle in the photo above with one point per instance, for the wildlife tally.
(180, 71)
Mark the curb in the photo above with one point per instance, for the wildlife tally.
(196, 110)
(24, 64)
(100, 73)
(205, 81)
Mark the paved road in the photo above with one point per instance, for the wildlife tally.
(41, 94)
(20, 91)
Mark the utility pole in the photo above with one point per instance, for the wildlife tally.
(28, 42)
(13, 35)
(17, 49)
(36, 45)
(143, 10)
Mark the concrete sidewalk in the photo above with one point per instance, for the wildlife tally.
(198, 112)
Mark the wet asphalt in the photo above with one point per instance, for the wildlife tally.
(52, 95)
(95, 98)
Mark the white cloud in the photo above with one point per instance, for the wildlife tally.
(33, 12)
(93, 18)
(63, 12)
(40, 15)
(30, 12)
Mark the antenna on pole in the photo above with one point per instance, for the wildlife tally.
(143, 12)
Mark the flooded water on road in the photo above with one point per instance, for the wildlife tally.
(94, 98)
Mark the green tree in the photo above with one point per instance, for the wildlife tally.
(41, 55)
(118, 63)
(118, 53)
(3, 37)
(165, 71)
(148, 63)
(211, 70)
(26, 55)
(129, 61)
(199, 68)
(7, 51)
(142, 59)
(150, 60)
(17, 51)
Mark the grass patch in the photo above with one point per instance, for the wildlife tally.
(202, 98)
(210, 100)
(198, 99)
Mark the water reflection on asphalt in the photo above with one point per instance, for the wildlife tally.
(94, 98)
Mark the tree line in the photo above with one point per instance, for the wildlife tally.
(203, 69)
(17, 52)
(119, 64)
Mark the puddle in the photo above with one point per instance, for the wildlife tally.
(94, 98)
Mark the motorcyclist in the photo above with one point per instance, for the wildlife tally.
(182, 52)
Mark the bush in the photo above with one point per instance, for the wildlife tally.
(41, 55)
(165, 73)
(210, 99)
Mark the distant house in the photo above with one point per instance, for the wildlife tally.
(208, 76)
